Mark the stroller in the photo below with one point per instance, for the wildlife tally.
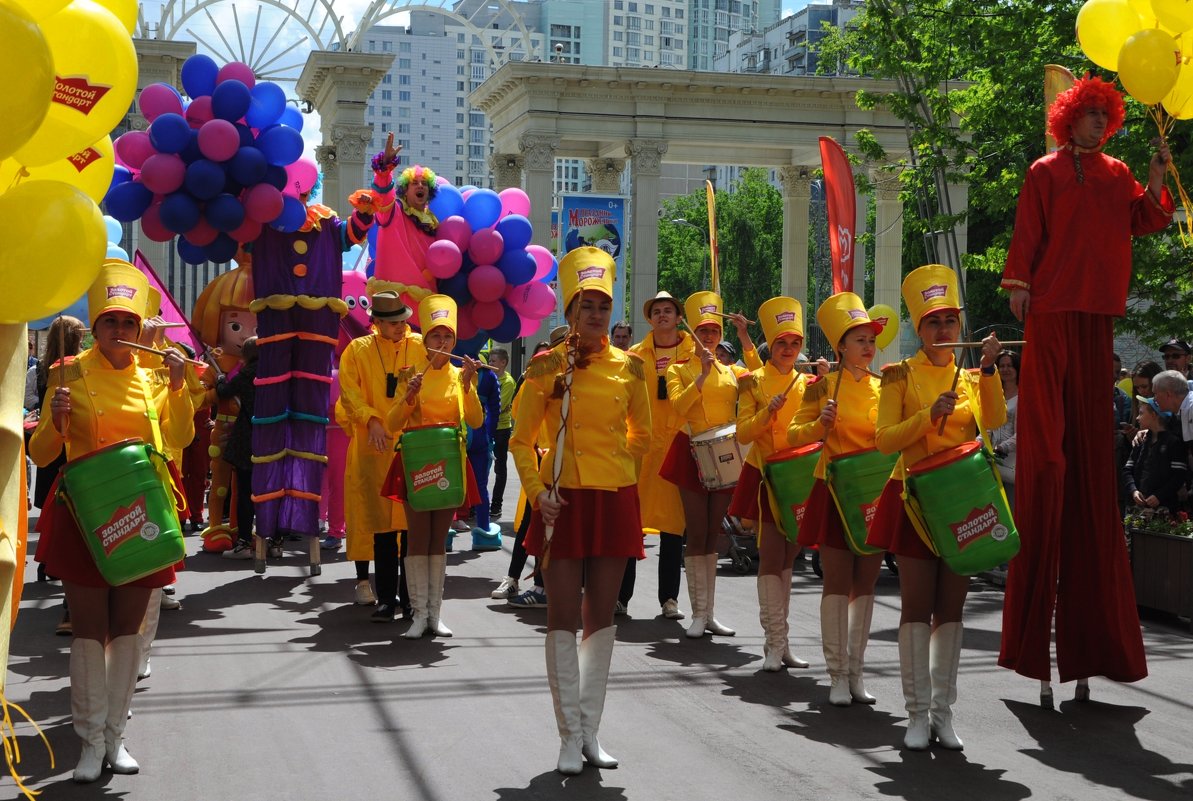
(740, 546)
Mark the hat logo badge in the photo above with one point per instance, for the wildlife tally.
(121, 291)
(709, 309)
(857, 314)
(934, 291)
(440, 314)
(785, 317)
(590, 272)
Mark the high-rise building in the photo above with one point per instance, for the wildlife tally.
(712, 22)
(789, 46)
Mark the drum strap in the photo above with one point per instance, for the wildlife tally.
(157, 449)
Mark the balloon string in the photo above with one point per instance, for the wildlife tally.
(21, 175)
(1164, 125)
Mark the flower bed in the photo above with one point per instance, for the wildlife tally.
(1162, 561)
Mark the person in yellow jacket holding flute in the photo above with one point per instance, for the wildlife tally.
(767, 400)
(841, 410)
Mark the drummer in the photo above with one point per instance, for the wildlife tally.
(915, 396)
(705, 394)
(434, 393)
(841, 411)
(767, 400)
(97, 400)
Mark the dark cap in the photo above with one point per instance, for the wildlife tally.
(728, 346)
(1180, 344)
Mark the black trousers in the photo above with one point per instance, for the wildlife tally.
(670, 562)
(391, 577)
(244, 505)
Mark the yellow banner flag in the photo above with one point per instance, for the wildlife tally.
(1056, 80)
(711, 194)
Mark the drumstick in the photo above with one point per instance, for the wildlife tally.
(716, 365)
(729, 316)
(945, 417)
(811, 365)
(479, 364)
(137, 346)
(840, 379)
(791, 385)
(975, 344)
(62, 369)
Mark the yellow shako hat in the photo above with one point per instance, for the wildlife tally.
(703, 308)
(929, 289)
(435, 311)
(586, 268)
(840, 313)
(118, 287)
(779, 316)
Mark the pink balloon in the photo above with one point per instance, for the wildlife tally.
(249, 231)
(486, 283)
(163, 173)
(466, 328)
(455, 229)
(444, 259)
(488, 314)
(514, 201)
(263, 203)
(301, 176)
(236, 71)
(198, 112)
(157, 99)
(204, 233)
(466, 193)
(133, 148)
(530, 327)
(486, 246)
(218, 140)
(534, 300)
(543, 260)
(151, 224)
(440, 180)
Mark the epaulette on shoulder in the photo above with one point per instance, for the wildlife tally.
(635, 366)
(817, 388)
(549, 362)
(894, 373)
(747, 382)
(64, 371)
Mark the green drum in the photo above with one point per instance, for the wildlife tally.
(789, 477)
(856, 481)
(121, 500)
(433, 467)
(959, 499)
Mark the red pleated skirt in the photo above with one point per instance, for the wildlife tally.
(822, 524)
(394, 486)
(892, 529)
(679, 467)
(602, 523)
(751, 497)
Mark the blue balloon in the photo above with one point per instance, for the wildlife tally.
(170, 133)
(128, 201)
(191, 153)
(471, 347)
(467, 188)
(224, 212)
(117, 252)
(247, 138)
(191, 253)
(516, 231)
(179, 212)
(114, 229)
(447, 202)
(198, 75)
(120, 175)
(276, 177)
(222, 248)
(77, 309)
(230, 100)
(248, 166)
(456, 288)
(204, 179)
(293, 215)
(510, 327)
(517, 266)
(291, 118)
(268, 103)
(233, 187)
(281, 145)
(482, 209)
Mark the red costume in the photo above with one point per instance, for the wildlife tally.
(1071, 250)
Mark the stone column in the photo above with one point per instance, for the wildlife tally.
(646, 161)
(861, 202)
(888, 256)
(537, 162)
(507, 170)
(338, 85)
(797, 192)
(606, 174)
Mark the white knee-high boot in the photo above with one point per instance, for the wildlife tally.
(563, 677)
(417, 570)
(596, 652)
(711, 624)
(124, 660)
(944, 659)
(88, 704)
(694, 571)
(917, 682)
(436, 574)
(148, 633)
(834, 632)
(861, 612)
(770, 615)
(789, 659)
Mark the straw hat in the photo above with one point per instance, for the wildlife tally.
(661, 296)
(389, 306)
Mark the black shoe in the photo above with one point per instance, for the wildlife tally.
(407, 613)
(384, 613)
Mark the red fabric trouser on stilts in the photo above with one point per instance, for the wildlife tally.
(1074, 556)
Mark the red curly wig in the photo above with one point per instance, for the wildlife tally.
(1072, 103)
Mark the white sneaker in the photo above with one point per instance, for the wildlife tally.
(505, 590)
(170, 602)
(671, 610)
(241, 550)
(364, 593)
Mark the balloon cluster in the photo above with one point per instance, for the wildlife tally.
(1148, 43)
(72, 73)
(483, 258)
(215, 169)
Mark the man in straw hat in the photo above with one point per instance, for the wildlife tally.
(1067, 271)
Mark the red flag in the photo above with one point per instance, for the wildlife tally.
(841, 200)
(170, 311)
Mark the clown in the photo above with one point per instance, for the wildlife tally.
(406, 228)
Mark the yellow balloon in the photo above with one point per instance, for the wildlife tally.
(125, 11)
(28, 84)
(882, 313)
(1102, 27)
(1148, 65)
(34, 282)
(90, 170)
(1179, 101)
(1175, 15)
(40, 9)
(96, 77)
(1143, 9)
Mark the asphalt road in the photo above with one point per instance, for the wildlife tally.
(277, 687)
